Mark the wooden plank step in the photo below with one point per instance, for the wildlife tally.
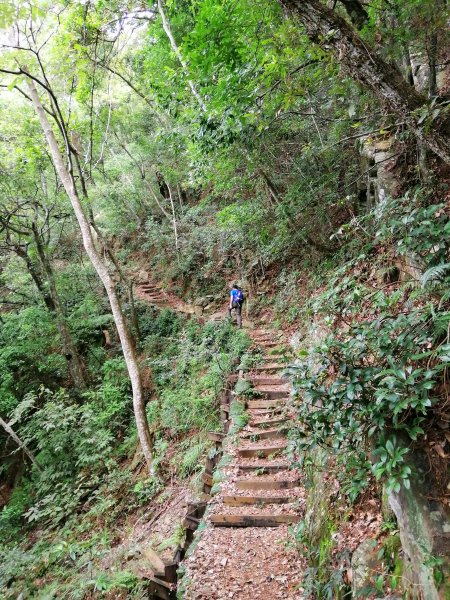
(262, 520)
(267, 413)
(261, 451)
(157, 588)
(269, 367)
(263, 470)
(266, 484)
(215, 436)
(266, 380)
(264, 434)
(267, 422)
(258, 500)
(156, 562)
(276, 403)
(271, 393)
(191, 523)
(206, 478)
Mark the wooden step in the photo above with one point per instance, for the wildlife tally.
(266, 380)
(207, 478)
(258, 500)
(267, 413)
(156, 562)
(269, 344)
(269, 367)
(263, 470)
(261, 451)
(215, 436)
(160, 589)
(271, 393)
(253, 520)
(267, 422)
(276, 403)
(266, 484)
(264, 434)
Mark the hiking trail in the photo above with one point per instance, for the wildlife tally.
(244, 551)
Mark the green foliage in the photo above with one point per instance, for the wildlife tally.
(260, 182)
(190, 372)
(385, 367)
(28, 356)
(320, 578)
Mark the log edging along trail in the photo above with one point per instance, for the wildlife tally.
(163, 585)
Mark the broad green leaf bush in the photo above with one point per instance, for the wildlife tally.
(371, 387)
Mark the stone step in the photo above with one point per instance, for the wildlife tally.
(262, 520)
(261, 451)
(258, 500)
(266, 484)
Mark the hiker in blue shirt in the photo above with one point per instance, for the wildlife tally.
(236, 301)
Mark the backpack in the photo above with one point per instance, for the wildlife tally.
(239, 296)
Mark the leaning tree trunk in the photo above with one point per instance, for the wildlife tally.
(126, 340)
(70, 351)
(333, 33)
(10, 431)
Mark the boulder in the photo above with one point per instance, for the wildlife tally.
(425, 536)
(365, 566)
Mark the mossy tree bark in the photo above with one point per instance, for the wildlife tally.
(333, 33)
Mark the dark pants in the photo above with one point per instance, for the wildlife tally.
(237, 306)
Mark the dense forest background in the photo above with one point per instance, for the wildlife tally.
(300, 148)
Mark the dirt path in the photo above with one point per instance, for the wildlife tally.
(244, 551)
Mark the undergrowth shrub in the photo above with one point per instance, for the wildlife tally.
(375, 384)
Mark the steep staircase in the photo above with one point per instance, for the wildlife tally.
(150, 292)
(243, 552)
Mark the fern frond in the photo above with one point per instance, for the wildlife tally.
(435, 274)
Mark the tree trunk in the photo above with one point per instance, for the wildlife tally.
(35, 276)
(326, 28)
(70, 351)
(9, 430)
(174, 218)
(126, 340)
(357, 13)
(432, 64)
(134, 316)
(168, 32)
(272, 188)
